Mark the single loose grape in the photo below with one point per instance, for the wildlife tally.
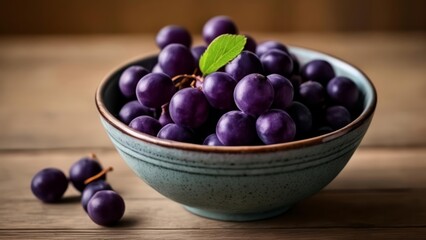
(106, 208)
(178, 133)
(275, 126)
(244, 64)
(236, 128)
(129, 79)
(283, 91)
(155, 89)
(49, 185)
(337, 117)
(318, 70)
(157, 69)
(134, 109)
(219, 90)
(173, 34)
(91, 189)
(189, 108)
(217, 26)
(176, 59)
(146, 124)
(212, 140)
(277, 61)
(312, 94)
(264, 47)
(343, 91)
(83, 169)
(254, 94)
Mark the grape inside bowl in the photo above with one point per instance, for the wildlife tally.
(237, 183)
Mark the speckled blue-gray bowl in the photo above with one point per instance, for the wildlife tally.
(237, 183)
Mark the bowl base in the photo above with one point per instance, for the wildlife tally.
(236, 217)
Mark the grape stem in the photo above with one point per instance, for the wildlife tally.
(187, 80)
(97, 176)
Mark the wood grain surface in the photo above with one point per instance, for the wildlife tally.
(48, 119)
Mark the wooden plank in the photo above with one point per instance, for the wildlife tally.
(261, 234)
(47, 84)
(328, 209)
(368, 169)
(376, 189)
(271, 15)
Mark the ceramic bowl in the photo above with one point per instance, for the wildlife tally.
(237, 183)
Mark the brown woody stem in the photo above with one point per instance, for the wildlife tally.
(186, 80)
(97, 176)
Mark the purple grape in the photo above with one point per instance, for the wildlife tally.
(173, 34)
(277, 61)
(106, 208)
(154, 90)
(189, 108)
(91, 189)
(129, 79)
(283, 91)
(212, 140)
(134, 109)
(219, 90)
(301, 116)
(217, 26)
(236, 128)
(337, 117)
(176, 59)
(275, 126)
(146, 124)
(83, 169)
(49, 185)
(254, 94)
(197, 52)
(165, 118)
(157, 69)
(343, 91)
(312, 94)
(244, 64)
(264, 47)
(176, 133)
(250, 44)
(318, 70)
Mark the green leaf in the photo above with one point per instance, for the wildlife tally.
(221, 51)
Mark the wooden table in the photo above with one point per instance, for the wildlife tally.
(48, 119)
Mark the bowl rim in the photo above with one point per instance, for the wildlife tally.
(117, 124)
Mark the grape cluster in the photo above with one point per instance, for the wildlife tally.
(262, 96)
(103, 205)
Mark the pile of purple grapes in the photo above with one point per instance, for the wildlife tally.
(103, 205)
(262, 96)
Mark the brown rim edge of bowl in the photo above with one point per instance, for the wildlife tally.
(364, 116)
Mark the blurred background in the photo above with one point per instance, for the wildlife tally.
(28, 17)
